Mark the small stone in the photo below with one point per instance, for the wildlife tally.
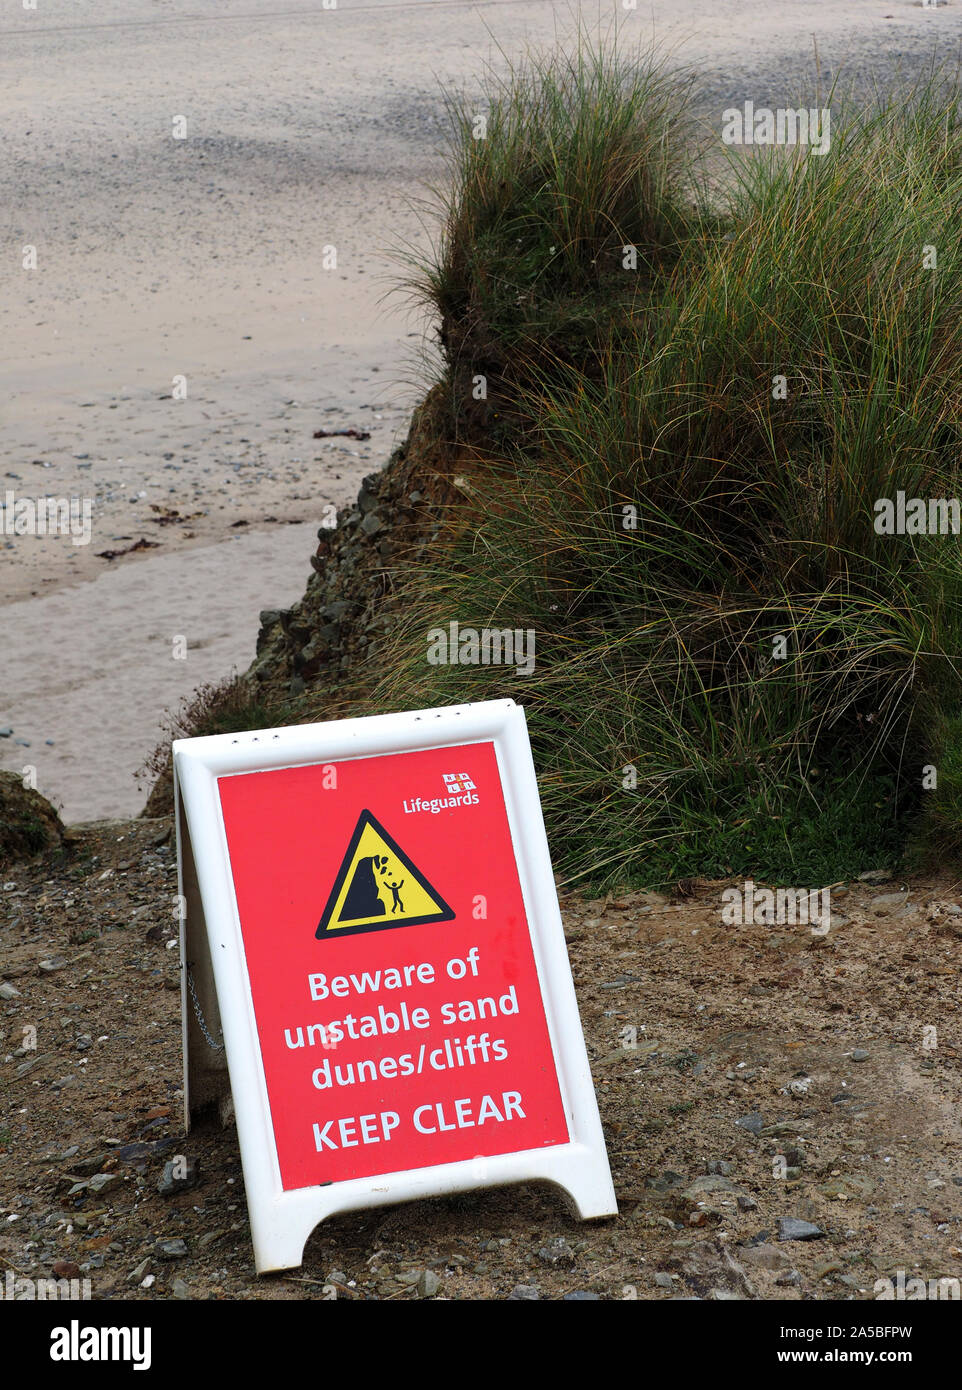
(524, 1293)
(663, 1280)
(887, 903)
(47, 967)
(702, 1186)
(170, 1249)
(765, 1256)
(104, 1182)
(7, 991)
(180, 1290)
(754, 1122)
(428, 1283)
(791, 1228)
(179, 1175)
(860, 1055)
(136, 1275)
(875, 876)
(667, 1181)
(791, 1277)
(722, 1167)
(843, 1189)
(557, 1252)
(581, 1296)
(746, 1203)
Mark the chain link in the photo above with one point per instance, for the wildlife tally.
(199, 1014)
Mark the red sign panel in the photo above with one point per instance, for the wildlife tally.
(397, 1002)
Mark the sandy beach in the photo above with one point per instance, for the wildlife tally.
(182, 175)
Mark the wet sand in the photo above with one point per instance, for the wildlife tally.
(200, 267)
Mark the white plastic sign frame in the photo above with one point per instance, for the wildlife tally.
(212, 944)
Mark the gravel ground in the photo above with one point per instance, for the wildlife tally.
(767, 1074)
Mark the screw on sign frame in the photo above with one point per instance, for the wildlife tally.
(371, 924)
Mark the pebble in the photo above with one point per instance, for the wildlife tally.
(888, 902)
(765, 1256)
(179, 1289)
(857, 1185)
(170, 1249)
(104, 1182)
(7, 991)
(178, 1176)
(24, 1067)
(524, 1293)
(860, 1055)
(705, 1185)
(783, 1127)
(754, 1122)
(581, 1296)
(428, 1283)
(557, 1252)
(791, 1228)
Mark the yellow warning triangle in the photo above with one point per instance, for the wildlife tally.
(378, 887)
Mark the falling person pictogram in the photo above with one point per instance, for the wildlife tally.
(366, 895)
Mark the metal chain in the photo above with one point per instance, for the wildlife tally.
(217, 1046)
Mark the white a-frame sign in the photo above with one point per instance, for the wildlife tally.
(374, 967)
